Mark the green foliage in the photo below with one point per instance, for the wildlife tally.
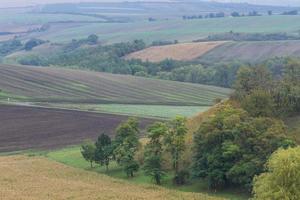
(34, 60)
(174, 140)
(92, 39)
(282, 179)
(231, 147)
(263, 93)
(104, 150)
(30, 44)
(126, 145)
(259, 103)
(10, 46)
(88, 152)
(154, 151)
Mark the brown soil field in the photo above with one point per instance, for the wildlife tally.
(23, 128)
(183, 51)
(35, 178)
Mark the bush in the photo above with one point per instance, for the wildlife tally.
(282, 180)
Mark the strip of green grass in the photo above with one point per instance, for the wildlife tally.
(71, 156)
(153, 111)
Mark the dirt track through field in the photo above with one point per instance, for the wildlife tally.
(23, 128)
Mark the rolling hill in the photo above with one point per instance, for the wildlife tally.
(54, 85)
(183, 51)
(34, 178)
(252, 51)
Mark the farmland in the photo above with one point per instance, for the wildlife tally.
(30, 178)
(184, 51)
(176, 29)
(24, 128)
(54, 85)
(253, 51)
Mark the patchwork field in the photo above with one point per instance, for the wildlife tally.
(172, 29)
(183, 51)
(34, 178)
(253, 51)
(56, 85)
(24, 128)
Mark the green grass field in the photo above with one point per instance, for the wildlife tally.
(182, 30)
(71, 156)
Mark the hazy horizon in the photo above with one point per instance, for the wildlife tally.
(19, 3)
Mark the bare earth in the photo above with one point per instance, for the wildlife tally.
(23, 128)
(183, 51)
(35, 178)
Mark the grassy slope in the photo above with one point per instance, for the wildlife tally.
(253, 51)
(72, 157)
(183, 30)
(75, 86)
(38, 178)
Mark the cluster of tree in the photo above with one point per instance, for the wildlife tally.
(122, 149)
(249, 37)
(232, 147)
(163, 42)
(292, 12)
(10, 46)
(163, 138)
(220, 74)
(264, 94)
(250, 14)
(30, 44)
(209, 15)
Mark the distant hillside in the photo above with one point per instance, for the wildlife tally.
(44, 84)
(252, 51)
(183, 51)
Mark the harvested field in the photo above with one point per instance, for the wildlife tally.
(23, 128)
(253, 51)
(34, 178)
(54, 85)
(184, 51)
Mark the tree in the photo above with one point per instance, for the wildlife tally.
(30, 44)
(231, 147)
(235, 14)
(270, 12)
(88, 150)
(92, 39)
(104, 150)
(153, 152)
(259, 103)
(126, 145)
(282, 179)
(174, 140)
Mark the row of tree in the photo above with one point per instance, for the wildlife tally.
(163, 138)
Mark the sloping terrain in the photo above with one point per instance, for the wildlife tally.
(42, 84)
(183, 51)
(23, 127)
(34, 178)
(253, 51)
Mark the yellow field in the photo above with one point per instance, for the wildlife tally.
(35, 178)
(183, 51)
